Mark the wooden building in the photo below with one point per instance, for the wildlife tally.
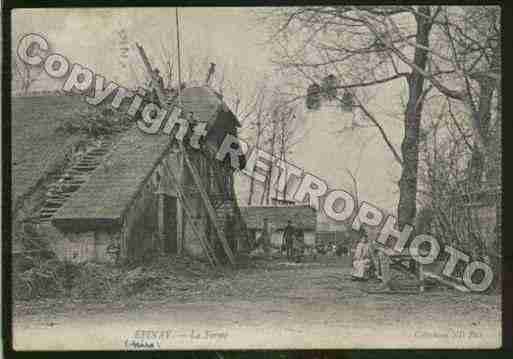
(303, 217)
(152, 194)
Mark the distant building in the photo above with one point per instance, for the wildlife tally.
(304, 217)
(282, 202)
(345, 239)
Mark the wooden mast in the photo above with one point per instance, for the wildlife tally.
(180, 224)
(183, 162)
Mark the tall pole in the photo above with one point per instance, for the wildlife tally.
(180, 223)
(179, 58)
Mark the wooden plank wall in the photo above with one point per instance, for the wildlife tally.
(140, 227)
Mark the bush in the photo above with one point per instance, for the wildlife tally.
(52, 278)
(90, 281)
(96, 122)
(137, 281)
(40, 280)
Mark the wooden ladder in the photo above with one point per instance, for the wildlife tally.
(208, 206)
(209, 251)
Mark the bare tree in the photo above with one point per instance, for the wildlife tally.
(473, 37)
(355, 187)
(271, 142)
(258, 125)
(279, 138)
(461, 156)
(452, 50)
(443, 186)
(366, 46)
(286, 137)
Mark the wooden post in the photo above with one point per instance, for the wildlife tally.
(420, 273)
(210, 209)
(180, 224)
(156, 84)
(209, 252)
(160, 221)
(123, 255)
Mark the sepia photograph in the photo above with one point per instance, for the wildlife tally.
(231, 178)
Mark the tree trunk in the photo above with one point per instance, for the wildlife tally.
(251, 188)
(410, 145)
(252, 179)
(481, 129)
(273, 143)
(267, 184)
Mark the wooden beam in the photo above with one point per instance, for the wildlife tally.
(160, 220)
(210, 209)
(438, 278)
(180, 225)
(182, 198)
(123, 254)
(209, 252)
(156, 84)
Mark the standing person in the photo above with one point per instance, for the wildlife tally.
(158, 78)
(383, 267)
(288, 238)
(299, 244)
(156, 81)
(362, 258)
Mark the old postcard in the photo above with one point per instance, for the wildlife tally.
(256, 178)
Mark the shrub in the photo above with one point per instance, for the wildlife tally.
(96, 122)
(40, 280)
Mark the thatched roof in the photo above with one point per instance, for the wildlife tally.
(115, 182)
(208, 106)
(304, 217)
(205, 103)
(36, 146)
(109, 192)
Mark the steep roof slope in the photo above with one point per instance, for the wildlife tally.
(208, 106)
(34, 143)
(116, 181)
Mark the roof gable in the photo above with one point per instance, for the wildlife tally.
(205, 104)
(113, 185)
(115, 182)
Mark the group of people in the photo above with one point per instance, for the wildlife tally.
(369, 261)
(293, 240)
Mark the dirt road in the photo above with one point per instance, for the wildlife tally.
(309, 305)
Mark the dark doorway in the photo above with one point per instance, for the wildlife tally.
(170, 226)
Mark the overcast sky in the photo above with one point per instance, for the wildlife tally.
(228, 37)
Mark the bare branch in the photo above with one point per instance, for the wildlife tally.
(381, 130)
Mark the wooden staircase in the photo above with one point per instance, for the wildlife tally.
(62, 189)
